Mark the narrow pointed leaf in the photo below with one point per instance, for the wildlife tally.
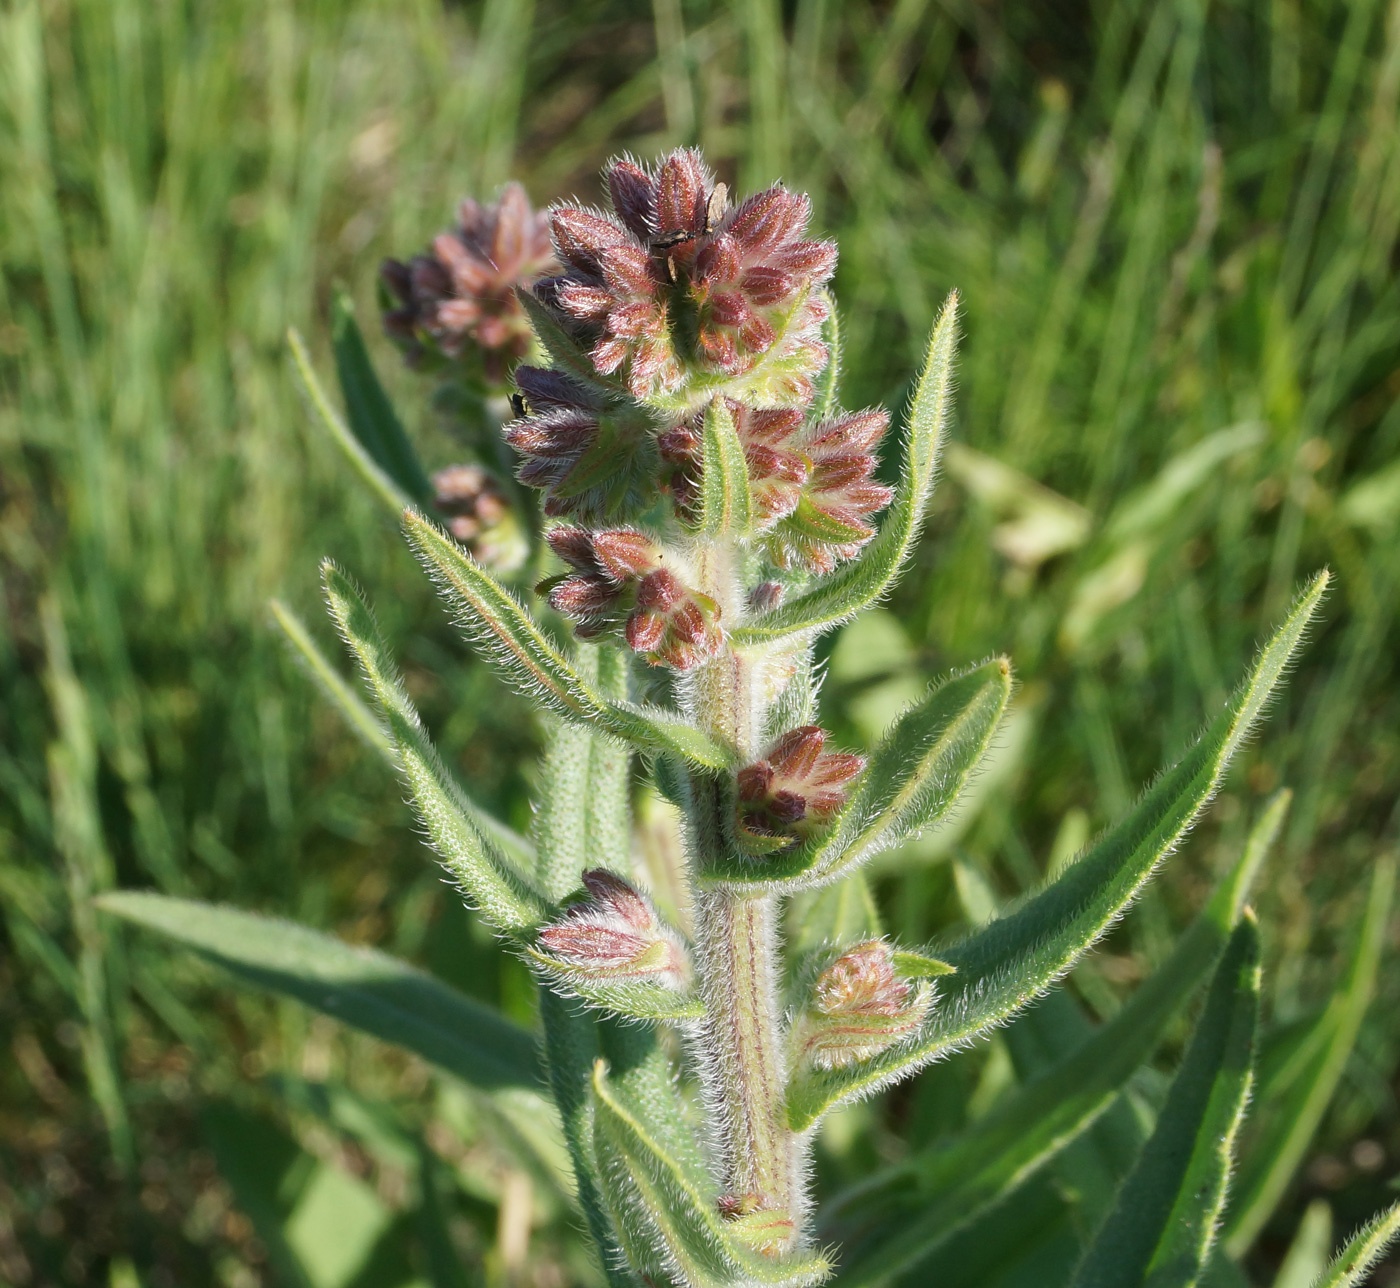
(665, 1208)
(1275, 1158)
(368, 411)
(828, 399)
(495, 620)
(367, 990)
(1004, 966)
(1353, 1265)
(369, 469)
(1163, 1225)
(502, 893)
(356, 713)
(919, 1205)
(724, 487)
(912, 782)
(864, 580)
(376, 734)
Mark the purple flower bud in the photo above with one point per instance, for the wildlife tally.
(796, 787)
(614, 935)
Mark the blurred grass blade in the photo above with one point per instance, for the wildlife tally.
(367, 990)
(724, 487)
(913, 780)
(1352, 1266)
(1007, 964)
(371, 416)
(1273, 1160)
(495, 620)
(376, 735)
(387, 489)
(502, 893)
(864, 580)
(922, 1202)
(666, 1213)
(1161, 1229)
(341, 696)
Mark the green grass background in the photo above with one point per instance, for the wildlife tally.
(1174, 226)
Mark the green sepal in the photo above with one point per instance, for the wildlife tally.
(918, 966)
(367, 990)
(1352, 1266)
(665, 1208)
(725, 507)
(917, 1206)
(1163, 1225)
(914, 778)
(495, 620)
(499, 890)
(864, 580)
(1010, 962)
(370, 414)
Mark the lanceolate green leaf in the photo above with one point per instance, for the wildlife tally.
(664, 1207)
(369, 469)
(913, 780)
(1274, 1159)
(351, 706)
(911, 1211)
(368, 410)
(494, 618)
(365, 989)
(631, 999)
(373, 730)
(1161, 1229)
(1352, 1266)
(1005, 965)
(724, 488)
(862, 581)
(828, 401)
(504, 895)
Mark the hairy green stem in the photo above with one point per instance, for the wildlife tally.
(737, 935)
(736, 938)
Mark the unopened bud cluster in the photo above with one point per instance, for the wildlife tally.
(860, 1005)
(613, 936)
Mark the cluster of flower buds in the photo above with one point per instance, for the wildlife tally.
(793, 790)
(811, 485)
(746, 280)
(479, 515)
(624, 578)
(462, 292)
(591, 457)
(613, 936)
(862, 1004)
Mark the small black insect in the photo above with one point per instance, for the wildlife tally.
(517, 405)
(714, 212)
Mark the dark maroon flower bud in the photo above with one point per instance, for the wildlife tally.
(460, 294)
(614, 935)
(795, 788)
